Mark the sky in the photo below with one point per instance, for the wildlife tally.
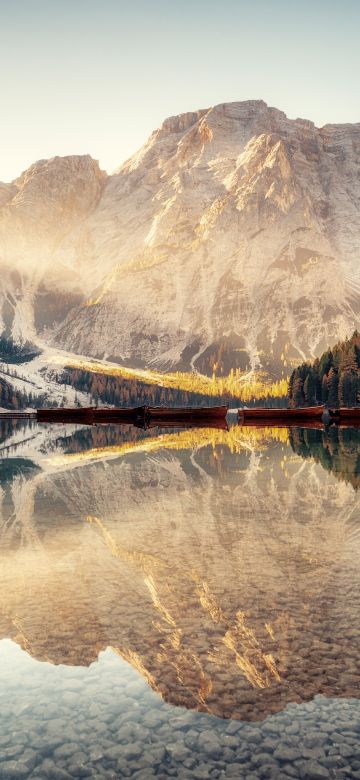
(98, 76)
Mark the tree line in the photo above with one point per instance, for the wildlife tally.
(332, 379)
(121, 391)
(107, 389)
(11, 398)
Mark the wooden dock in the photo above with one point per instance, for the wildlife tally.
(347, 414)
(309, 413)
(301, 416)
(208, 416)
(141, 416)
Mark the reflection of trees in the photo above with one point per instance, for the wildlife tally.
(19, 481)
(11, 426)
(336, 449)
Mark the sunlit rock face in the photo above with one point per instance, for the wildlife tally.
(241, 238)
(37, 210)
(222, 566)
(229, 240)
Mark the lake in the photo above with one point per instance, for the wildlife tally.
(179, 603)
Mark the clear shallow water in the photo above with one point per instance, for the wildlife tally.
(183, 604)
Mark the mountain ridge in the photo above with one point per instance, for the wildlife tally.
(229, 240)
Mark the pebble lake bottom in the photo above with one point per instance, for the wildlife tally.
(183, 604)
(106, 722)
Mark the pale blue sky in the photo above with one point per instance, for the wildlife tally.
(84, 76)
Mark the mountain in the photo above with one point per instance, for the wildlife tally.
(231, 239)
(37, 211)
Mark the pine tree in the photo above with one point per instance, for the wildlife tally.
(332, 388)
(348, 361)
(347, 389)
(290, 388)
(309, 388)
(325, 363)
(324, 389)
(298, 395)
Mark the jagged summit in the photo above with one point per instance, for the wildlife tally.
(230, 239)
(180, 123)
(55, 188)
(70, 166)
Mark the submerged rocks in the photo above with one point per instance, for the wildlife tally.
(208, 743)
(283, 753)
(14, 769)
(312, 770)
(139, 736)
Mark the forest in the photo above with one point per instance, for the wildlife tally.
(332, 379)
(121, 391)
(11, 352)
(106, 389)
(11, 398)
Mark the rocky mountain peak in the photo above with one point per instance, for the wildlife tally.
(229, 240)
(180, 123)
(70, 184)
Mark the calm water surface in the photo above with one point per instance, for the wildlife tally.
(179, 604)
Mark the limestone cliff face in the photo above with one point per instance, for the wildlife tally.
(36, 211)
(231, 237)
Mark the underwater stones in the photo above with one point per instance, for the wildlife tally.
(80, 770)
(209, 743)
(13, 769)
(312, 770)
(287, 754)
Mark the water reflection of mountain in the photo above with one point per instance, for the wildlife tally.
(336, 449)
(222, 566)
